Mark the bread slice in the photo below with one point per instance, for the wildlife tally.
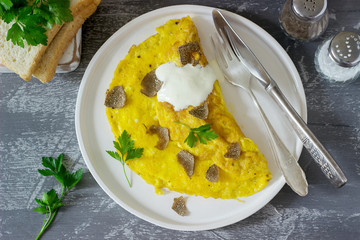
(18, 59)
(23, 61)
(46, 68)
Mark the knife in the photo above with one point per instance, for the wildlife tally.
(319, 153)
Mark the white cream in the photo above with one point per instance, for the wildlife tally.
(184, 86)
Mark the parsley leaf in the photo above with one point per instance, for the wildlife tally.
(60, 10)
(31, 19)
(5, 5)
(50, 202)
(191, 139)
(203, 134)
(125, 143)
(8, 16)
(15, 34)
(34, 33)
(70, 180)
(126, 148)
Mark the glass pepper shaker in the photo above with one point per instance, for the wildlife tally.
(338, 58)
(304, 19)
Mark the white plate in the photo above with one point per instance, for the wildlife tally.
(94, 133)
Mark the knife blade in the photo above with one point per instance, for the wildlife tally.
(319, 153)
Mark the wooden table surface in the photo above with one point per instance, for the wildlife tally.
(39, 120)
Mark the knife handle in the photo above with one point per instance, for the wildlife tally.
(321, 156)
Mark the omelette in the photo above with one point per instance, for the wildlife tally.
(215, 171)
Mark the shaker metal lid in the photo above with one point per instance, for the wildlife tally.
(344, 49)
(309, 9)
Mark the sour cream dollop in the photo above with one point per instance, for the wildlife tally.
(184, 86)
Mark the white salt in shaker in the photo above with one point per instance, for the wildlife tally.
(338, 58)
(304, 19)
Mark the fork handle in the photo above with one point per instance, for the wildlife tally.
(293, 173)
(321, 156)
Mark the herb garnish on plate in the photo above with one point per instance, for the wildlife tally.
(126, 148)
(202, 134)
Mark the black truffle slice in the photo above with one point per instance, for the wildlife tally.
(115, 98)
(201, 111)
(190, 53)
(187, 160)
(150, 84)
(234, 151)
(212, 174)
(163, 134)
(179, 206)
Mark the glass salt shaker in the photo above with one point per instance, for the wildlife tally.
(338, 58)
(304, 19)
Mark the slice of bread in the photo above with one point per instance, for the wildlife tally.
(24, 61)
(46, 68)
(18, 59)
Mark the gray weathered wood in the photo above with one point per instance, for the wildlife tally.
(38, 120)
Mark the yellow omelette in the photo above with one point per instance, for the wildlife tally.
(236, 177)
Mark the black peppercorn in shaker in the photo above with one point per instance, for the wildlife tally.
(304, 19)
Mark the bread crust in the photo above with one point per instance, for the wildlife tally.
(46, 68)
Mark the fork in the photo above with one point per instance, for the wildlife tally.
(233, 70)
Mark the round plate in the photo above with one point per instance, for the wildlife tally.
(95, 136)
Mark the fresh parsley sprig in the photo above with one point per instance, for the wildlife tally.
(202, 134)
(50, 202)
(126, 148)
(31, 19)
